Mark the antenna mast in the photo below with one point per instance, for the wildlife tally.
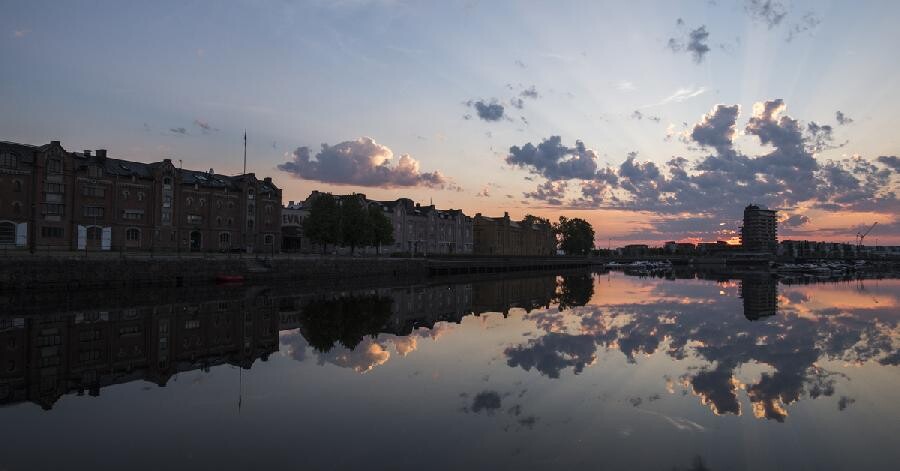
(245, 152)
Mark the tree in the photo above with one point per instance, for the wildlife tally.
(382, 231)
(355, 226)
(323, 225)
(576, 236)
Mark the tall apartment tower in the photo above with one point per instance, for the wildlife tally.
(760, 230)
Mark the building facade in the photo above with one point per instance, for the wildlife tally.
(760, 230)
(53, 199)
(418, 230)
(503, 236)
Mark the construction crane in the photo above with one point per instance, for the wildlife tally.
(862, 236)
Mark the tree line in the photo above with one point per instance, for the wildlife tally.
(348, 222)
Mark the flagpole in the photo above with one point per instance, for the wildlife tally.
(245, 151)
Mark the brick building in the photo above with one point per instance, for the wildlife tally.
(503, 236)
(54, 199)
(418, 229)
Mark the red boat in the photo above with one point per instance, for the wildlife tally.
(229, 278)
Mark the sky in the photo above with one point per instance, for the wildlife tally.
(653, 121)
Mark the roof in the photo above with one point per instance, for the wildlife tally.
(24, 152)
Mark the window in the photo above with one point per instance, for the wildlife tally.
(129, 330)
(230, 222)
(54, 166)
(250, 224)
(225, 239)
(270, 239)
(7, 233)
(218, 221)
(218, 204)
(188, 202)
(166, 217)
(8, 160)
(251, 194)
(17, 186)
(93, 191)
(94, 233)
(132, 214)
(268, 209)
(250, 209)
(95, 172)
(52, 232)
(52, 209)
(125, 194)
(167, 201)
(202, 202)
(94, 211)
(231, 205)
(54, 188)
(192, 324)
(140, 196)
(132, 234)
(194, 219)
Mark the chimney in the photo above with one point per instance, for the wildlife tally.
(268, 179)
(87, 152)
(55, 143)
(101, 154)
(211, 171)
(291, 204)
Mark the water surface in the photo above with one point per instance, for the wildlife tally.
(578, 371)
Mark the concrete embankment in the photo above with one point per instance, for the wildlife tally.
(73, 272)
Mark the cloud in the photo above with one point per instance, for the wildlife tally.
(484, 193)
(204, 126)
(552, 353)
(892, 161)
(553, 160)
(521, 64)
(717, 128)
(809, 22)
(553, 192)
(845, 402)
(795, 220)
(842, 119)
(529, 92)
(487, 111)
(692, 197)
(769, 12)
(680, 95)
(639, 116)
(21, 33)
(361, 162)
(487, 402)
(694, 43)
(181, 131)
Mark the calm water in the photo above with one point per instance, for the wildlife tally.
(572, 372)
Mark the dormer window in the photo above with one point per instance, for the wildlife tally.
(251, 194)
(188, 202)
(167, 183)
(8, 160)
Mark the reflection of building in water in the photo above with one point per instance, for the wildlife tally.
(760, 296)
(503, 294)
(46, 357)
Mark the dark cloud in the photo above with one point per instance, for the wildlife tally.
(717, 128)
(845, 402)
(553, 160)
(517, 103)
(842, 119)
(181, 131)
(770, 12)
(808, 23)
(361, 162)
(639, 116)
(553, 353)
(204, 126)
(694, 43)
(530, 92)
(892, 161)
(795, 220)
(487, 111)
(552, 192)
(486, 401)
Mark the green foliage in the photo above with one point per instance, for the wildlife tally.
(323, 224)
(355, 226)
(576, 236)
(382, 231)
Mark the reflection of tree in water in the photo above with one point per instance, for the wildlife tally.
(344, 320)
(574, 290)
(712, 329)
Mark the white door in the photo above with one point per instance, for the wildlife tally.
(22, 234)
(82, 237)
(106, 238)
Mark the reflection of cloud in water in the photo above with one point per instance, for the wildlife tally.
(713, 328)
(366, 356)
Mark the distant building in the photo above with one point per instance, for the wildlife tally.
(418, 230)
(635, 250)
(61, 200)
(760, 230)
(503, 236)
